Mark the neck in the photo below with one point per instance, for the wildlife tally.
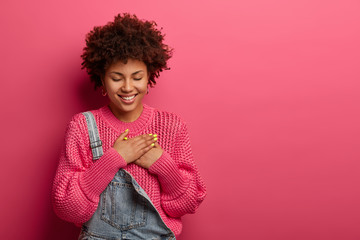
(126, 116)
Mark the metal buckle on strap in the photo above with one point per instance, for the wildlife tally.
(96, 144)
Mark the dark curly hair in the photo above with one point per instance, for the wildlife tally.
(126, 37)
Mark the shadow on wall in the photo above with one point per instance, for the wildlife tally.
(82, 98)
(59, 229)
(88, 98)
(54, 227)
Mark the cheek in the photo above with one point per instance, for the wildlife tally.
(111, 86)
(143, 87)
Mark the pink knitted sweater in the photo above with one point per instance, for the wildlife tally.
(173, 182)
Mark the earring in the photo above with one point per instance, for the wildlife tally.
(103, 92)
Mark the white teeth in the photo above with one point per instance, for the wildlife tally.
(128, 98)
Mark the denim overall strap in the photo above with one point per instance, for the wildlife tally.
(95, 142)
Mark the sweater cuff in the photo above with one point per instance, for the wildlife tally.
(173, 182)
(96, 178)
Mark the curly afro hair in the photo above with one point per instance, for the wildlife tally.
(124, 38)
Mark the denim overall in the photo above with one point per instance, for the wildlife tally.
(125, 211)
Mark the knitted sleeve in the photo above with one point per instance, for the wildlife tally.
(79, 181)
(182, 188)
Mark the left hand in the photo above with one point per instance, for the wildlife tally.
(150, 157)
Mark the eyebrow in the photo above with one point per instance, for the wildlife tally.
(119, 73)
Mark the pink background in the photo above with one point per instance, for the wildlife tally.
(270, 91)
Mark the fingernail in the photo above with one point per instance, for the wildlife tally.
(150, 134)
(155, 139)
(126, 130)
(155, 135)
(153, 144)
(125, 138)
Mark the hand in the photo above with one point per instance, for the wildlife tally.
(133, 148)
(150, 157)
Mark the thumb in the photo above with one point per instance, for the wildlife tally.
(124, 134)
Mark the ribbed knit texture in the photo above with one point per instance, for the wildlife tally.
(173, 182)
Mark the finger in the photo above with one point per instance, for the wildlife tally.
(144, 140)
(143, 145)
(148, 148)
(153, 135)
(152, 140)
(148, 136)
(124, 134)
(141, 138)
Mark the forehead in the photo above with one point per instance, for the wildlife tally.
(129, 67)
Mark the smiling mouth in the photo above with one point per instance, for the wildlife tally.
(128, 98)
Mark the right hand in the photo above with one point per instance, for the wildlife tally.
(133, 148)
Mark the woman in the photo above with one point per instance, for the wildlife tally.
(144, 178)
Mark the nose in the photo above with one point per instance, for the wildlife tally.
(127, 86)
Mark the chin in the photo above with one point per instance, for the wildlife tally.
(129, 108)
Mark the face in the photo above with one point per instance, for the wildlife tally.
(126, 85)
